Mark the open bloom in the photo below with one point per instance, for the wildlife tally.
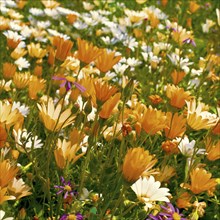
(66, 188)
(4, 197)
(197, 118)
(148, 191)
(35, 50)
(136, 161)
(76, 216)
(53, 117)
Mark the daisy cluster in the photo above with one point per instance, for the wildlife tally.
(109, 109)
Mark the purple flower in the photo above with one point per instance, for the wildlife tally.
(68, 82)
(169, 213)
(190, 41)
(67, 188)
(77, 216)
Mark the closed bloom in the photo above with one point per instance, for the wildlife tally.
(87, 52)
(212, 149)
(201, 181)
(148, 191)
(165, 174)
(36, 51)
(21, 80)
(53, 117)
(9, 70)
(177, 96)
(188, 148)
(106, 61)
(197, 118)
(18, 52)
(176, 125)
(18, 188)
(155, 99)
(103, 90)
(177, 76)
(136, 161)
(63, 47)
(66, 153)
(3, 136)
(109, 105)
(35, 86)
(153, 120)
(8, 172)
(183, 201)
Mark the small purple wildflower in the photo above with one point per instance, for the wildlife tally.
(66, 187)
(190, 41)
(77, 216)
(169, 213)
(68, 83)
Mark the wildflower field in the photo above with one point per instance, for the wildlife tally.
(109, 109)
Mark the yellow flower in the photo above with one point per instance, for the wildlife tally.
(201, 181)
(106, 61)
(63, 47)
(53, 117)
(3, 195)
(35, 86)
(18, 188)
(153, 120)
(50, 3)
(177, 96)
(165, 174)
(103, 90)
(136, 161)
(18, 52)
(109, 105)
(176, 125)
(8, 172)
(86, 51)
(197, 118)
(193, 6)
(21, 80)
(66, 153)
(8, 117)
(35, 50)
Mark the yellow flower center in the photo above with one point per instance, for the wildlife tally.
(68, 188)
(71, 217)
(176, 216)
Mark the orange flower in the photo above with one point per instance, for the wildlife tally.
(35, 86)
(63, 47)
(153, 120)
(51, 57)
(66, 153)
(177, 96)
(71, 18)
(197, 118)
(3, 136)
(177, 76)
(183, 201)
(176, 125)
(109, 105)
(212, 149)
(36, 51)
(86, 51)
(155, 99)
(201, 181)
(21, 80)
(136, 162)
(193, 6)
(170, 147)
(103, 90)
(7, 173)
(106, 61)
(38, 70)
(216, 129)
(9, 70)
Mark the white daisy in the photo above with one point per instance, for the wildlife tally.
(2, 214)
(26, 140)
(148, 191)
(22, 63)
(23, 109)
